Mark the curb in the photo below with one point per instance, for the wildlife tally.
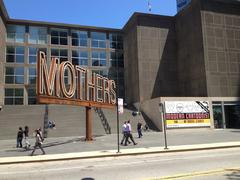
(113, 153)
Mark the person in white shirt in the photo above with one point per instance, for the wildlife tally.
(38, 143)
(124, 132)
(129, 133)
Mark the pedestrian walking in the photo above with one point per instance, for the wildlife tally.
(19, 137)
(139, 129)
(41, 134)
(38, 142)
(129, 133)
(25, 132)
(124, 132)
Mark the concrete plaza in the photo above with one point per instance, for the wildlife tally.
(106, 145)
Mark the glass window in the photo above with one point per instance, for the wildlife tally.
(14, 75)
(59, 36)
(32, 54)
(80, 57)
(32, 96)
(101, 72)
(98, 40)
(13, 96)
(15, 54)
(32, 75)
(116, 59)
(37, 35)
(116, 41)
(99, 58)
(62, 54)
(15, 33)
(79, 38)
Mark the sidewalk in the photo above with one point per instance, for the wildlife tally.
(106, 146)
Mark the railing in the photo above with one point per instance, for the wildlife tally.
(104, 121)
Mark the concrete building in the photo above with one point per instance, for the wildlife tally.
(192, 56)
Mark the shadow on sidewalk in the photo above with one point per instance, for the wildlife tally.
(234, 175)
(57, 143)
(51, 144)
(236, 131)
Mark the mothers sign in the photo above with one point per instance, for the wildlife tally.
(65, 83)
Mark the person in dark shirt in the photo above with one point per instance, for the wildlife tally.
(19, 137)
(139, 129)
(25, 132)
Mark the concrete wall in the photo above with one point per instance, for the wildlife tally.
(157, 60)
(150, 57)
(70, 120)
(131, 73)
(150, 109)
(2, 57)
(190, 54)
(221, 35)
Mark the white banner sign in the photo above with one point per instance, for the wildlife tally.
(187, 114)
(186, 106)
(120, 105)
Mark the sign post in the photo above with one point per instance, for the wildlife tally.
(88, 124)
(162, 110)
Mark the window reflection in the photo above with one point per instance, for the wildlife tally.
(14, 75)
(61, 54)
(79, 38)
(116, 41)
(98, 40)
(32, 96)
(99, 58)
(15, 54)
(32, 54)
(13, 96)
(80, 57)
(116, 59)
(37, 35)
(32, 75)
(59, 37)
(15, 33)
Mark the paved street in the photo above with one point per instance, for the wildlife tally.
(109, 142)
(209, 164)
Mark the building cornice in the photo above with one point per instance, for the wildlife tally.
(61, 25)
(3, 11)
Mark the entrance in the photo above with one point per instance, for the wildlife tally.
(218, 116)
(226, 114)
(232, 113)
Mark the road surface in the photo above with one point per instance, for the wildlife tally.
(200, 165)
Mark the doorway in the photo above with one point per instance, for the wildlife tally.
(232, 114)
(226, 115)
(218, 116)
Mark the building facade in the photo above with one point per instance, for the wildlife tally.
(98, 49)
(182, 4)
(195, 53)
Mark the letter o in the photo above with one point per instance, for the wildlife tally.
(63, 66)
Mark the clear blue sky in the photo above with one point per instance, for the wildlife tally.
(102, 13)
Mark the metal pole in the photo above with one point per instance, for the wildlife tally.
(118, 128)
(223, 115)
(118, 141)
(88, 124)
(161, 110)
(164, 129)
(45, 122)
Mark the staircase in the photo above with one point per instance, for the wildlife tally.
(104, 121)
